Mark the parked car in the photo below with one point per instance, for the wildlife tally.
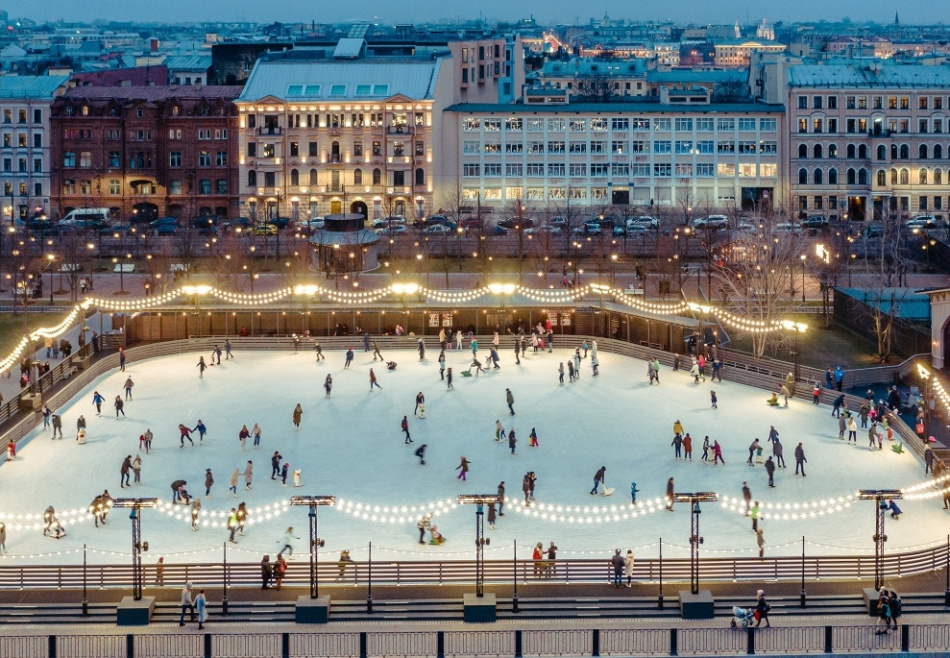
(497, 229)
(472, 221)
(815, 221)
(440, 228)
(546, 228)
(512, 222)
(265, 229)
(206, 224)
(593, 227)
(712, 222)
(787, 227)
(164, 226)
(873, 231)
(926, 222)
(558, 221)
(279, 222)
(395, 229)
(618, 231)
(39, 224)
(112, 231)
(643, 220)
(431, 220)
(61, 229)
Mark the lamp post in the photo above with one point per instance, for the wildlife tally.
(880, 509)
(695, 540)
(799, 328)
(313, 502)
(479, 500)
(803, 277)
(52, 259)
(138, 546)
(197, 292)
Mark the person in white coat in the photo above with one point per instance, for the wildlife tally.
(287, 541)
(628, 567)
(201, 603)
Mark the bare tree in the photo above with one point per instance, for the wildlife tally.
(884, 293)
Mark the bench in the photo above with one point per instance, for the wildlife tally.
(69, 372)
(125, 268)
(179, 267)
(633, 291)
(70, 267)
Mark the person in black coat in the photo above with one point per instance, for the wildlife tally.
(762, 607)
(266, 571)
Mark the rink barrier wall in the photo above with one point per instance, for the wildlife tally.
(475, 642)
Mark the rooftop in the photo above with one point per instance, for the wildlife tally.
(617, 107)
(156, 93)
(15, 87)
(879, 74)
(197, 63)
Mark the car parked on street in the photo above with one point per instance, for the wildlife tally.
(712, 222)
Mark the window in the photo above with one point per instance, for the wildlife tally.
(922, 152)
(862, 176)
(817, 177)
(640, 124)
(513, 124)
(313, 177)
(882, 178)
(69, 187)
(294, 177)
(803, 102)
(620, 169)
(492, 125)
(851, 151)
(904, 152)
(556, 169)
(221, 159)
(514, 169)
(577, 147)
(705, 170)
(252, 149)
(726, 147)
(684, 125)
(377, 176)
(470, 124)
(662, 170)
(599, 170)
(938, 151)
(252, 178)
(578, 170)
(204, 186)
(904, 176)
(802, 152)
(922, 177)
(862, 152)
(204, 159)
(817, 151)
(832, 150)
(893, 177)
(662, 125)
(661, 146)
(221, 186)
(85, 188)
(832, 176)
(37, 165)
(69, 158)
(768, 125)
(174, 186)
(747, 125)
(817, 125)
(471, 170)
(270, 179)
(535, 125)
(803, 125)
(938, 177)
(706, 147)
(727, 125)
(802, 176)
(556, 147)
(620, 124)
(491, 169)
(832, 102)
(747, 147)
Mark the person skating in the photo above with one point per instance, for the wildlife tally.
(499, 430)
(842, 426)
(669, 495)
(560, 374)
(448, 379)
(714, 400)
(185, 433)
(372, 381)
(349, 358)
(128, 388)
(148, 440)
(510, 399)
(201, 366)
(800, 460)
(752, 450)
(125, 472)
(442, 365)
(501, 498)
(770, 469)
(235, 476)
(284, 471)
(837, 406)
(512, 441)
(287, 541)
(928, 460)
(422, 349)
(296, 476)
(256, 433)
(376, 352)
(423, 525)
(577, 364)
(747, 497)
(599, 479)
(241, 516)
(421, 454)
(852, 430)
(57, 423)
(242, 437)
(526, 488)
(298, 414)
(275, 464)
(777, 450)
(677, 446)
(633, 493)
(420, 400)
(202, 430)
(248, 475)
(705, 456)
(717, 453)
(491, 516)
(533, 439)
(227, 350)
(97, 400)
(195, 511)
(47, 414)
(209, 482)
(517, 352)
(328, 385)
(318, 350)
(217, 353)
(137, 470)
(404, 425)
(119, 406)
(462, 468)
(571, 375)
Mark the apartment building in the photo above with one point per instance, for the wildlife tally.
(25, 143)
(677, 151)
(345, 132)
(145, 151)
(869, 140)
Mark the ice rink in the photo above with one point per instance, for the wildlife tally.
(351, 446)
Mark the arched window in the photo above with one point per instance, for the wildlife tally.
(938, 151)
(377, 176)
(817, 176)
(881, 152)
(832, 150)
(882, 178)
(313, 176)
(922, 152)
(922, 177)
(832, 176)
(850, 150)
(252, 178)
(893, 151)
(905, 176)
(862, 176)
(817, 151)
(802, 176)
(802, 151)
(851, 176)
(893, 177)
(294, 177)
(938, 177)
(357, 176)
(863, 152)
(420, 176)
(334, 151)
(905, 152)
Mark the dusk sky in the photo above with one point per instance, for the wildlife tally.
(547, 12)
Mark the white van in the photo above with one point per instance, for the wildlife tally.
(88, 218)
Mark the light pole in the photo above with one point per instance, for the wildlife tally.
(695, 540)
(138, 546)
(880, 509)
(52, 259)
(315, 542)
(479, 500)
(803, 277)
(799, 328)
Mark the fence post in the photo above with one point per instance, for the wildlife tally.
(750, 640)
(595, 643)
(518, 651)
(362, 644)
(828, 636)
(208, 652)
(905, 638)
(51, 645)
(674, 649)
(440, 644)
(285, 645)
(129, 646)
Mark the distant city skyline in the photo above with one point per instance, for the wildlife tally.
(549, 12)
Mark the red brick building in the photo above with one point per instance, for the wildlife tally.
(151, 151)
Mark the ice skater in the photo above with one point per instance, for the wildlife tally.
(510, 399)
(185, 434)
(195, 511)
(420, 400)
(599, 479)
(512, 441)
(349, 358)
(560, 374)
(242, 437)
(404, 425)
(202, 366)
(275, 465)
(97, 400)
(209, 482)
(318, 350)
(448, 379)
(372, 381)
(298, 414)
(462, 468)
(533, 439)
(128, 388)
(421, 454)
(328, 385)
(125, 472)
(119, 406)
(287, 540)
(235, 476)
(256, 433)
(248, 475)
(202, 430)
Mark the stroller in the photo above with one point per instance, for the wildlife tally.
(743, 616)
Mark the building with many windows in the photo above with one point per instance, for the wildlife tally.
(145, 151)
(680, 150)
(869, 140)
(329, 132)
(25, 143)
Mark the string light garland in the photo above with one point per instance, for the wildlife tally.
(585, 514)
(791, 511)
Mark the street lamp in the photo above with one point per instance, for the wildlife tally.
(803, 277)
(879, 496)
(315, 542)
(695, 540)
(51, 258)
(197, 291)
(138, 546)
(798, 328)
(479, 500)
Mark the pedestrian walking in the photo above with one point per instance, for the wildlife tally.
(628, 567)
(201, 603)
(266, 572)
(762, 609)
(186, 604)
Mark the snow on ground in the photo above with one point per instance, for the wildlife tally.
(351, 446)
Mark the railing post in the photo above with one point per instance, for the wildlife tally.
(440, 644)
(518, 648)
(905, 638)
(750, 640)
(51, 646)
(207, 645)
(362, 644)
(674, 641)
(285, 645)
(595, 643)
(829, 634)
(129, 646)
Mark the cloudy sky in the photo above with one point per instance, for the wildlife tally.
(547, 11)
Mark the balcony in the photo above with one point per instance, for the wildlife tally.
(270, 130)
